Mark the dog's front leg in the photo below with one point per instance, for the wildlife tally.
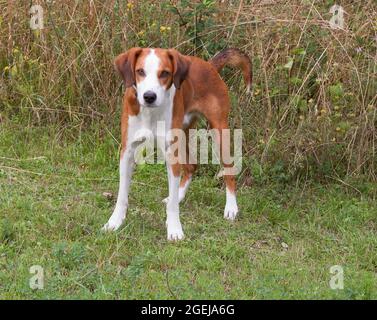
(173, 223)
(174, 155)
(126, 167)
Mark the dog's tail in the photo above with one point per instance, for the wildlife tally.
(234, 58)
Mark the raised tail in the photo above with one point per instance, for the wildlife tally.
(234, 58)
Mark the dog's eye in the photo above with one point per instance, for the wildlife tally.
(140, 72)
(164, 74)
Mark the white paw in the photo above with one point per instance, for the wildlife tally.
(114, 223)
(175, 231)
(230, 211)
(166, 200)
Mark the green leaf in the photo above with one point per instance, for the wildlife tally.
(299, 51)
(336, 91)
(296, 80)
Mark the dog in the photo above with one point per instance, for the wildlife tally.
(165, 85)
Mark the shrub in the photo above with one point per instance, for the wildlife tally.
(313, 110)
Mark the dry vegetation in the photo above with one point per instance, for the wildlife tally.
(313, 110)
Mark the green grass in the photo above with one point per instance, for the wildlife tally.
(52, 208)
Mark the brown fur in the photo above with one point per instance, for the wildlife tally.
(200, 89)
(235, 58)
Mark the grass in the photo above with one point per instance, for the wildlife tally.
(311, 119)
(282, 246)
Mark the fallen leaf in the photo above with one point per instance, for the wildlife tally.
(284, 245)
(108, 195)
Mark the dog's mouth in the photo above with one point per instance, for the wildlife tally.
(150, 105)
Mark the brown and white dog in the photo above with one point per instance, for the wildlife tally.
(164, 85)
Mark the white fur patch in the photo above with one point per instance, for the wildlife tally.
(151, 82)
(125, 173)
(181, 192)
(173, 223)
(231, 208)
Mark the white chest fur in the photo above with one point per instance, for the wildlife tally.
(151, 121)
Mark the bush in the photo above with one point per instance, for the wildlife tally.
(313, 109)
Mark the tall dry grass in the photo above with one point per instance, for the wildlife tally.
(313, 110)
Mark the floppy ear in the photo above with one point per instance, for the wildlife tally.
(181, 67)
(125, 63)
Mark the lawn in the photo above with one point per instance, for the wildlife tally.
(58, 187)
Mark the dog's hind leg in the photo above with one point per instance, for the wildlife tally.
(231, 208)
(223, 139)
(221, 131)
(188, 171)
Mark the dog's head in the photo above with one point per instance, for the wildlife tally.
(152, 72)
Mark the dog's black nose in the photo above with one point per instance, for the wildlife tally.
(150, 97)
